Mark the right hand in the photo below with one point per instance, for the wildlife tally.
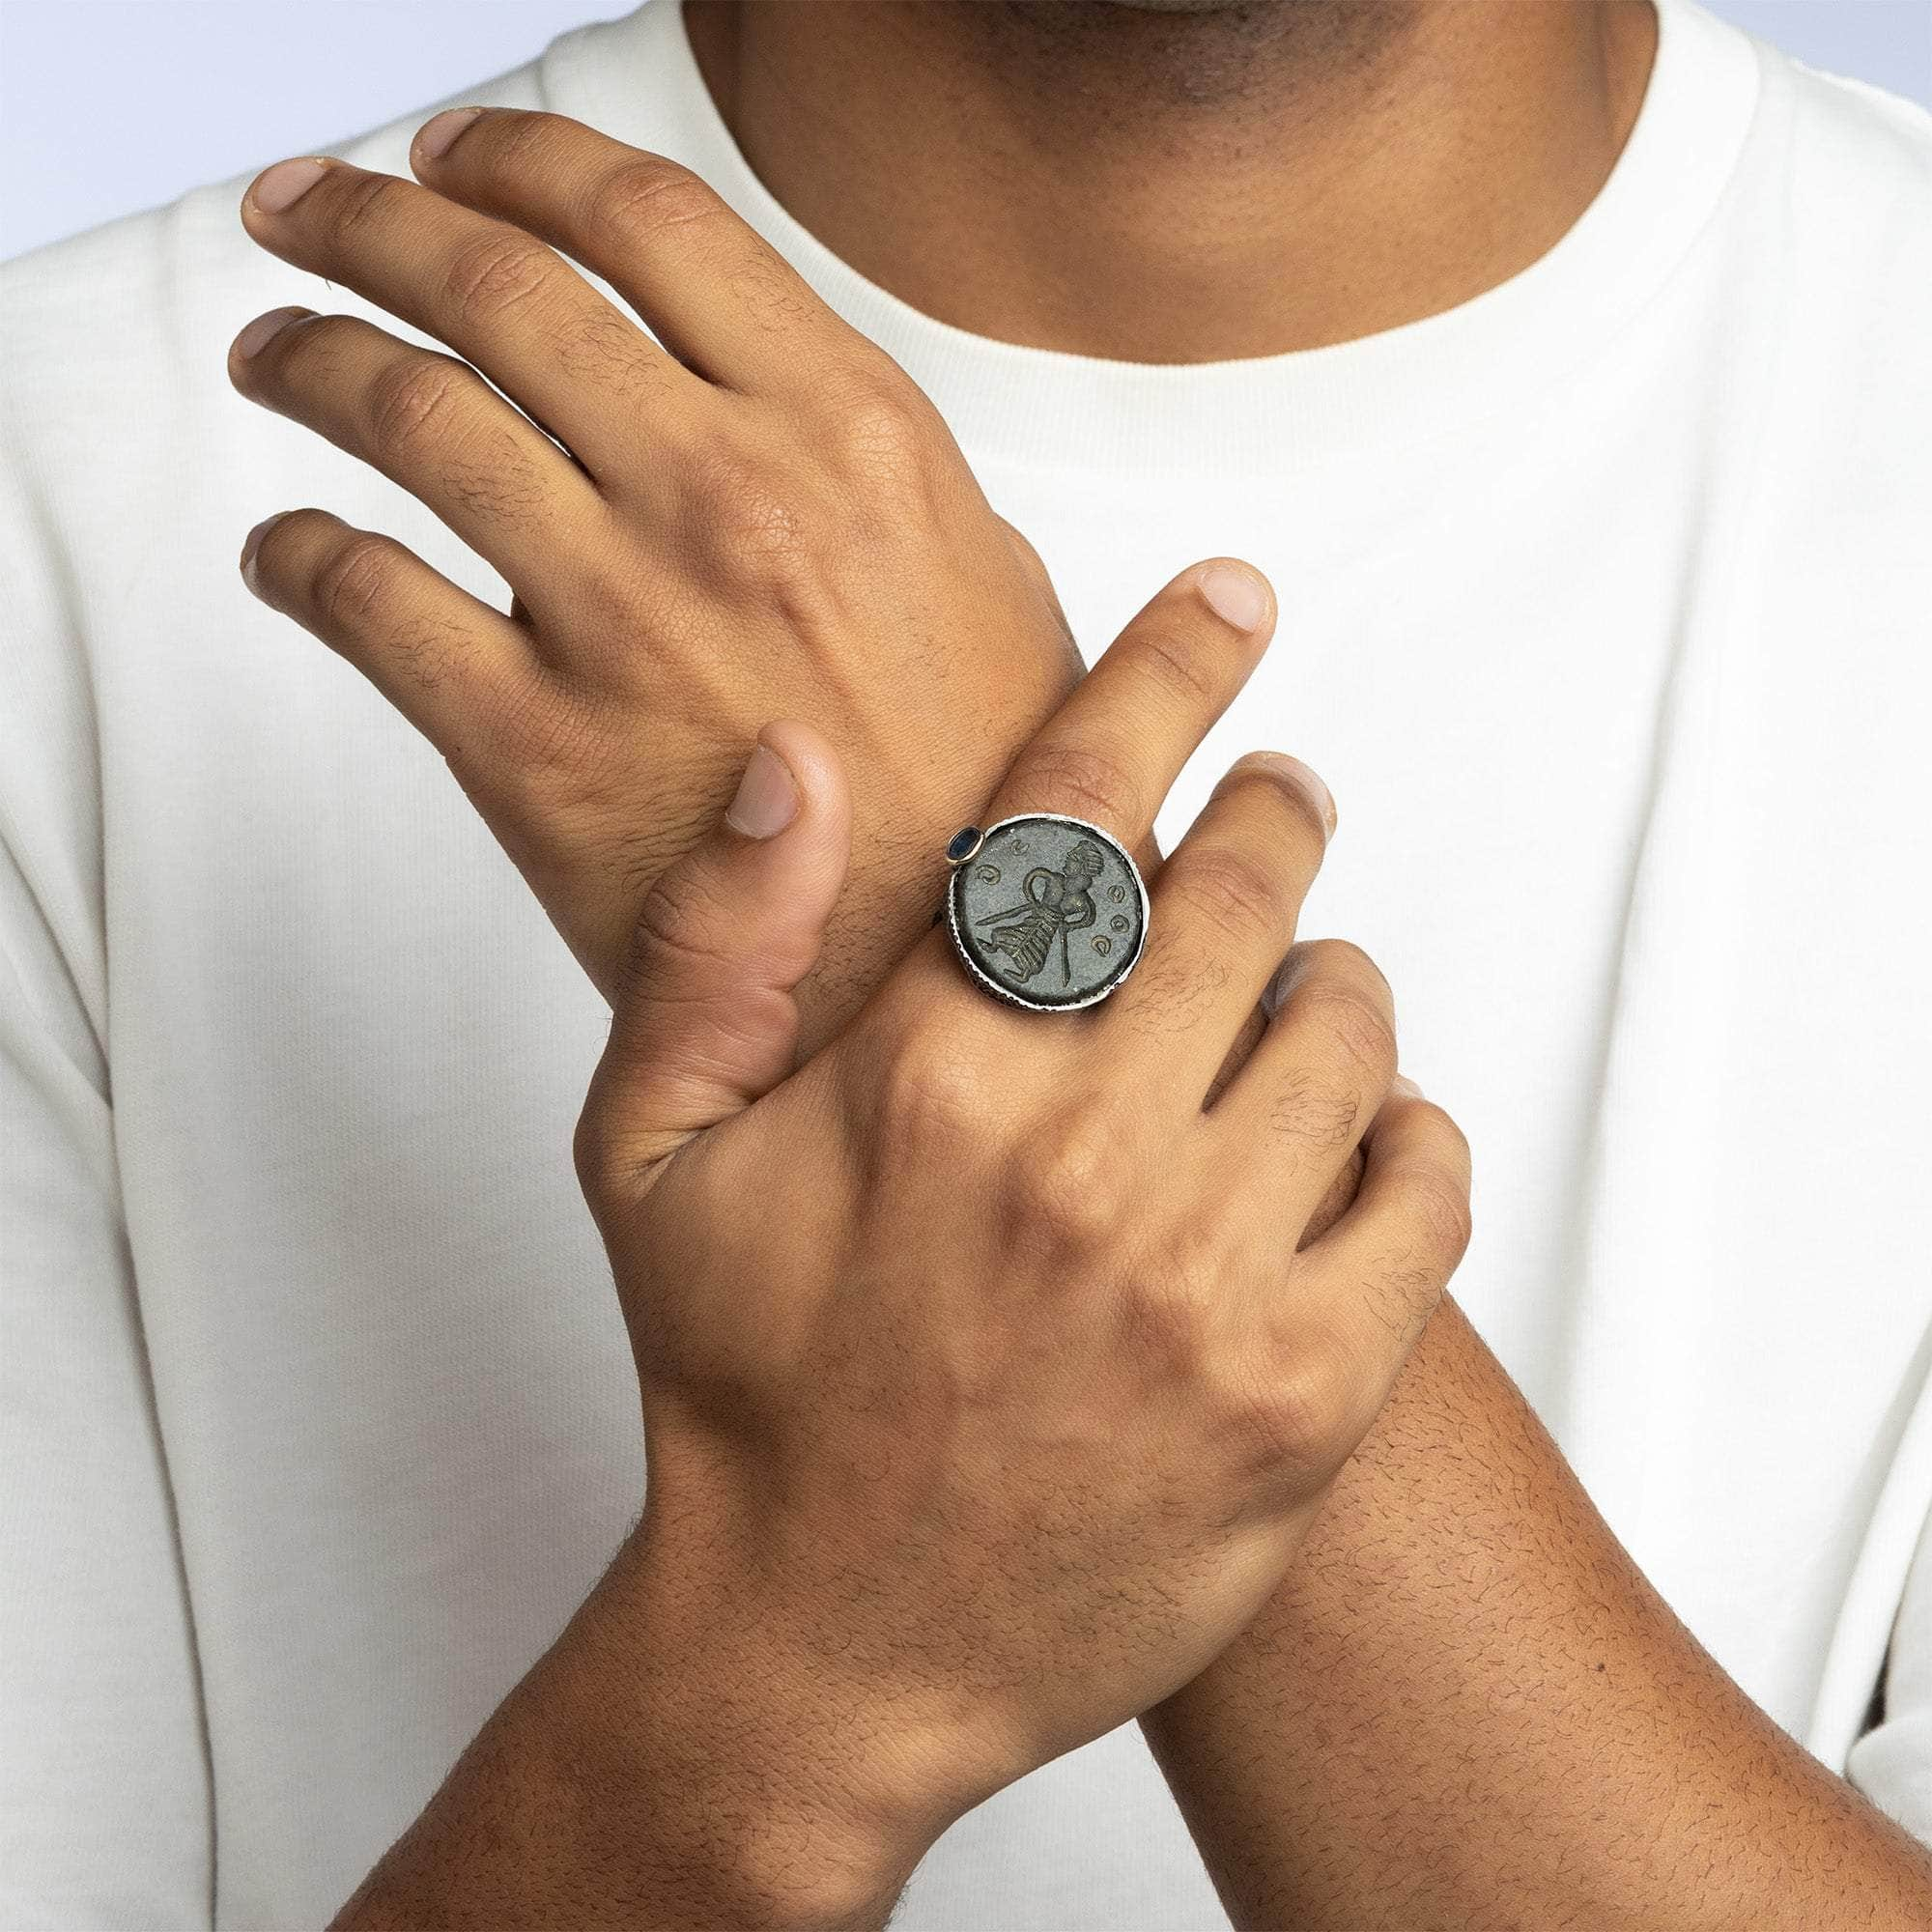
(759, 516)
(986, 1394)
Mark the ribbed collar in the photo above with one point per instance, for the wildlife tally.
(637, 78)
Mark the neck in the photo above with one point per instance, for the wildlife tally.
(1179, 185)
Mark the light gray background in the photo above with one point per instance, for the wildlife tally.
(111, 105)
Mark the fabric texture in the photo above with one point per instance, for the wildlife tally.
(1603, 613)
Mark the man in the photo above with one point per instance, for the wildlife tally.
(1579, 399)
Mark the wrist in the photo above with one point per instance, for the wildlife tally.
(791, 1799)
(632, 1778)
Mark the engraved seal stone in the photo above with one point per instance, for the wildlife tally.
(1045, 911)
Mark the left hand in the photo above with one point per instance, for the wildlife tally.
(761, 517)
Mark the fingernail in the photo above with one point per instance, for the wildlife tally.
(251, 543)
(285, 184)
(436, 135)
(767, 799)
(1310, 781)
(264, 328)
(1237, 596)
(1402, 1084)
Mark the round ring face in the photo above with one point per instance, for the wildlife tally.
(1049, 913)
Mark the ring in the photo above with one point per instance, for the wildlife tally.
(1047, 912)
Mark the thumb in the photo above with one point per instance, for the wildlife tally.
(704, 1020)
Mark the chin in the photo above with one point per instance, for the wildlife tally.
(1252, 10)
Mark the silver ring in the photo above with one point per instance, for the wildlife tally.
(1045, 911)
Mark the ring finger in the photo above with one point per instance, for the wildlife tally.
(498, 297)
(1323, 1067)
(1223, 912)
(459, 670)
(430, 423)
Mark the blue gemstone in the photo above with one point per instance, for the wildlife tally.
(964, 844)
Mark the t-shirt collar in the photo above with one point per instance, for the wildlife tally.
(637, 79)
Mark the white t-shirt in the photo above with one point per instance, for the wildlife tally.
(1604, 612)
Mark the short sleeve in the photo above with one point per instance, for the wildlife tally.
(1892, 1762)
(104, 1815)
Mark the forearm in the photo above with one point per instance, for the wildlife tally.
(642, 1776)
(1466, 1708)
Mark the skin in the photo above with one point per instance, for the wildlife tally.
(808, 1803)
(1161, 185)
(1402, 1737)
(803, 542)
(1028, 1429)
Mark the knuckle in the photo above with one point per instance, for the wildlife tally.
(1085, 782)
(680, 924)
(1352, 1021)
(423, 646)
(497, 271)
(1299, 1414)
(1032, 563)
(602, 351)
(749, 509)
(356, 583)
(1440, 1209)
(1171, 659)
(771, 295)
(880, 428)
(593, 1150)
(1343, 959)
(1226, 890)
(647, 196)
(489, 476)
(556, 748)
(1067, 1186)
(1398, 1294)
(1314, 1114)
(363, 200)
(1451, 1144)
(933, 1091)
(410, 398)
(1359, 1029)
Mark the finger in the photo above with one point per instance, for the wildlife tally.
(704, 1021)
(569, 358)
(711, 288)
(1113, 750)
(432, 424)
(455, 667)
(1222, 912)
(1337, 1201)
(1323, 1067)
(1381, 1270)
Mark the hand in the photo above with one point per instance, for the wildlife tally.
(764, 516)
(986, 1394)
